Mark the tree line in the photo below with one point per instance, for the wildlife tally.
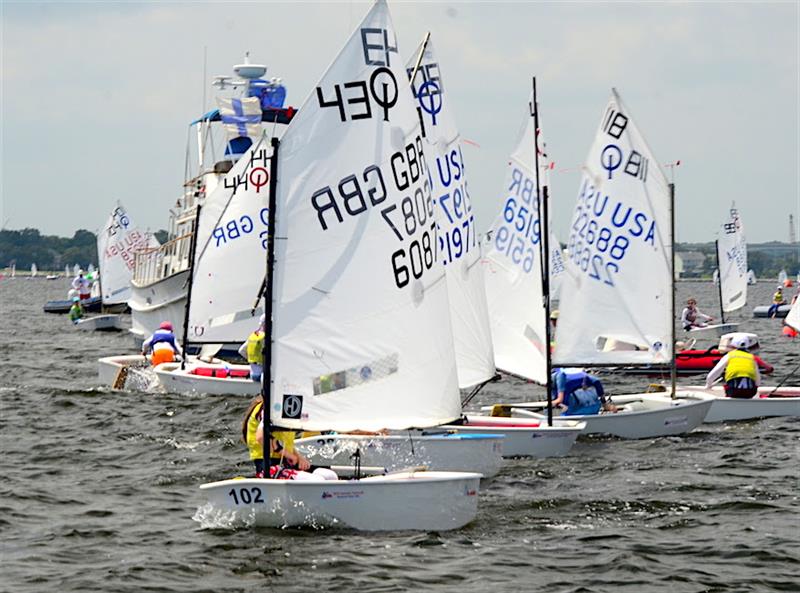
(49, 252)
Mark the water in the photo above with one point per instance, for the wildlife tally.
(100, 489)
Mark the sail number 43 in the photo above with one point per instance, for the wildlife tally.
(246, 495)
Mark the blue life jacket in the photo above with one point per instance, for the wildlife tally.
(162, 335)
(583, 393)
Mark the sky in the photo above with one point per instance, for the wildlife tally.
(97, 96)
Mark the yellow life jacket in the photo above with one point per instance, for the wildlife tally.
(285, 438)
(777, 298)
(255, 348)
(740, 364)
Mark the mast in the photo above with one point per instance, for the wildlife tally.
(266, 377)
(192, 250)
(673, 371)
(544, 250)
(719, 283)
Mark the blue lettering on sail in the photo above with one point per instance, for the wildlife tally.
(603, 232)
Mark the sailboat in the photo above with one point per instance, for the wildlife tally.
(751, 278)
(229, 316)
(513, 309)
(34, 271)
(345, 353)
(117, 244)
(620, 241)
(731, 253)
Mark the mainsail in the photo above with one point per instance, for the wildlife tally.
(228, 273)
(616, 296)
(513, 270)
(459, 248)
(361, 326)
(732, 258)
(117, 243)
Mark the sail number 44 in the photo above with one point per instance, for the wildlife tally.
(246, 495)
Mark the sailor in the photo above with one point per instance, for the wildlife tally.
(740, 370)
(163, 345)
(777, 301)
(82, 285)
(76, 311)
(579, 392)
(253, 350)
(287, 463)
(692, 317)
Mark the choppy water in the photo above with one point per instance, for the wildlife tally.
(100, 488)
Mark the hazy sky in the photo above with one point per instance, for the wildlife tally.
(97, 97)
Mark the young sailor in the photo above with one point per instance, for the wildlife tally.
(740, 370)
(692, 317)
(76, 311)
(253, 350)
(579, 392)
(287, 462)
(163, 345)
(81, 284)
(777, 301)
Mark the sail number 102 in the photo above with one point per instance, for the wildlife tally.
(246, 495)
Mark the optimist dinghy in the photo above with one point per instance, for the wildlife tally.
(513, 309)
(343, 354)
(621, 241)
(769, 402)
(731, 252)
(100, 323)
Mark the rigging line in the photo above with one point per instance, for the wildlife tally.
(479, 387)
(791, 374)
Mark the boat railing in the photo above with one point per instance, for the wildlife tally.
(152, 264)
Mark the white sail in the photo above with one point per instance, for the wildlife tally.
(513, 268)
(361, 326)
(76, 270)
(459, 248)
(617, 290)
(751, 277)
(782, 276)
(13, 270)
(230, 259)
(793, 318)
(117, 243)
(715, 277)
(34, 270)
(732, 257)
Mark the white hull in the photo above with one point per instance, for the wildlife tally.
(641, 417)
(153, 303)
(524, 438)
(729, 409)
(481, 454)
(100, 323)
(109, 367)
(716, 331)
(404, 501)
(175, 380)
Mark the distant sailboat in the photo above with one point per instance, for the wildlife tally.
(751, 277)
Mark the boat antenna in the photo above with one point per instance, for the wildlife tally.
(719, 281)
(266, 377)
(544, 251)
(189, 280)
(673, 371)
